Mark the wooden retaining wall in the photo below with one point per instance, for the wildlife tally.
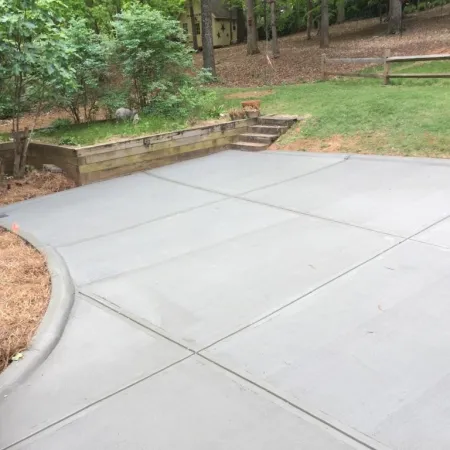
(99, 162)
(7, 155)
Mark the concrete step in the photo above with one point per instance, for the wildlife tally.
(268, 129)
(280, 120)
(250, 146)
(258, 137)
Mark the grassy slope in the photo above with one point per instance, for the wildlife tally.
(410, 117)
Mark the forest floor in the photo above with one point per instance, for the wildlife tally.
(426, 32)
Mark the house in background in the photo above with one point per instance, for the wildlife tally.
(228, 24)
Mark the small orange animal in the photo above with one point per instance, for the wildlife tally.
(252, 104)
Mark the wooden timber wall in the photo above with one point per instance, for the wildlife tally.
(7, 155)
(99, 162)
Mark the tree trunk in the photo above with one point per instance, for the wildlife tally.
(241, 28)
(252, 36)
(207, 38)
(324, 22)
(340, 11)
(231, 23)
(395, 16)
(308, 19)
(194, 31)
(273, 20)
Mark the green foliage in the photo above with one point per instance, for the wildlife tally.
(190, 100)
(113, 99)
(68, 140)
(59, 124)
(34, 55)
(89, 62)
(151, 52)
(34, 59)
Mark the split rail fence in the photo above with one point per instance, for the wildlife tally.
(386, 60)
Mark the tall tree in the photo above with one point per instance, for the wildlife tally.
(308, 19)
(193, 27)
(207, 37)
(252, 32)
(324, 25)
(273, 21)
(395, 16)
(340, 4)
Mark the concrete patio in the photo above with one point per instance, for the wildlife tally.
(247, 301)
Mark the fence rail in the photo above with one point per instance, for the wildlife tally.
(386, 60)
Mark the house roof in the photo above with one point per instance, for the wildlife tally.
(221, 11)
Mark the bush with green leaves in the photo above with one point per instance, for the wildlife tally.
(89, 62)
(34, 63)
(151, 52)
(190, 100)
(113, 99)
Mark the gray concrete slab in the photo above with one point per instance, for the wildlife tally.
(438, 234)
(381, 194)
(371, 349)
(234, 172)
(102, 208)
(167, 238)
(192, 406)
(366, 349)
(202, 296)
(100, 353)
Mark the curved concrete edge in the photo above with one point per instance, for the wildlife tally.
(51, 328)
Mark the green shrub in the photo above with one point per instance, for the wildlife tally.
(112, 100)
(89, 62)
(60, 123)
(151, 53)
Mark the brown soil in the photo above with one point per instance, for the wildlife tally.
(33, 185)
(425, 33)
(24, 294)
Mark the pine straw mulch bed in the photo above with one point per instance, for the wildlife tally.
(24, 279)
(34, 184)
(425, 33)
(24, 294)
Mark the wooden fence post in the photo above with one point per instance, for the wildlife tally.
(322, 66)
(387, 54)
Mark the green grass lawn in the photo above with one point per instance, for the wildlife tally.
(93, 133)
(409, 117)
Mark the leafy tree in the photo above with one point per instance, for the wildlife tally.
(90, 63)
(33, 63)
(151, 51)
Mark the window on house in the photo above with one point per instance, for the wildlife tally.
(197, 28)
(185, 27)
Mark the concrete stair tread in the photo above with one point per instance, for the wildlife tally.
(249, 144)
(280, 117)
(261, 135)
